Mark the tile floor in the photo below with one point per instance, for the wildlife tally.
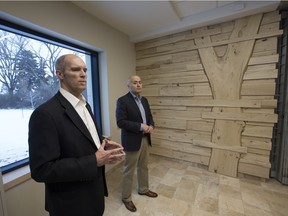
(187, 190)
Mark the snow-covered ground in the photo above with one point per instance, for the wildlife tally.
(13, 135)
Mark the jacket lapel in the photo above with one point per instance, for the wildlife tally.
(133, 103)
(74, 117)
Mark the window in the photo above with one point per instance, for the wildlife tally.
(27, 79)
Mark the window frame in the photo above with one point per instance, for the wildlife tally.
(46, 37)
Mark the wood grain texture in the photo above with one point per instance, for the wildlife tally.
(212, 93)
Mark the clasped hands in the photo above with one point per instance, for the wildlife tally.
(147, 128)
(109, 153)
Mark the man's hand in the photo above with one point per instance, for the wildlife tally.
(148, 129)
(109, 153)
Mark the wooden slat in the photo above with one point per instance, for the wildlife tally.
(268, 103)
(186, 79)
(153, 60)
(161, 41)
(195, 158)
(258, 144)
(238, 149)
(200, 125)
(255, 159)
(168, 108)
(271, 17)
(181, 136)
(264, 53)
(179, 114)
(251, 110)
(265, 44)
(151, 91)
(253, 170)
(203, 143)
(254, 164)
(170, 123)
(268, 67)
(258, 131)
(151, 75)
(269, 27)
(190, 56)
(260, 117)
(265, 74)
(258, 151)
(173, 68)
(259, 87)
(264, 60)
(204, 103)
(261, 124)
(182, 147)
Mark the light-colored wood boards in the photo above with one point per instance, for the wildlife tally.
(212, 93)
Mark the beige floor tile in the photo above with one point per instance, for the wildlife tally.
(254, 211)
(185, 189)
(166, 190)
(278, 204)
(157, 205)
(230, 206)
(255, 199)
(232, 182)
(186, 194)
(274, 185)
(200, 212)
(208, 187)
(229, 191)
(179, 207)
(159, 171)
(193, 174)
(206, 203)
(171, 179)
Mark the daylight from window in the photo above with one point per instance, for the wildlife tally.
(27, 79)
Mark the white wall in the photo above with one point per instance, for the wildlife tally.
(118, 56)
(26, 199)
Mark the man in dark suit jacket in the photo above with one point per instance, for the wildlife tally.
(66, 151)
(135, 119)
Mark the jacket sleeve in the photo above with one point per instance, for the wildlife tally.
(125, 117)
(47, 162)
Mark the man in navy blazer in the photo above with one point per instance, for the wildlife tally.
(66, 151)
(135, 119)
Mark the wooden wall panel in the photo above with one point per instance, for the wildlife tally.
(212, 90)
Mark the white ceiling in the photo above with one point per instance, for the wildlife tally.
(143, 20)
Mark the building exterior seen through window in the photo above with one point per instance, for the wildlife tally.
(27, 79)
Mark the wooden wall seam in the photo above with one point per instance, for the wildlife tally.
(212, 93)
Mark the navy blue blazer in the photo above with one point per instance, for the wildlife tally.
(62, 155)
(129, 119)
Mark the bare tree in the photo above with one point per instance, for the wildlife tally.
(11, 46)
(49, 53)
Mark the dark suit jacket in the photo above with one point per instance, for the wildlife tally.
(129, 119)
(62, 155)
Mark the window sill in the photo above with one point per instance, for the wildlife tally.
(16, 177)
(22, 175)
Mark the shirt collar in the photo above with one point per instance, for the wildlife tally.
(134, 96)
(71, 98)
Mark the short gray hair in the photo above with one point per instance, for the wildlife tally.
(61, 63)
